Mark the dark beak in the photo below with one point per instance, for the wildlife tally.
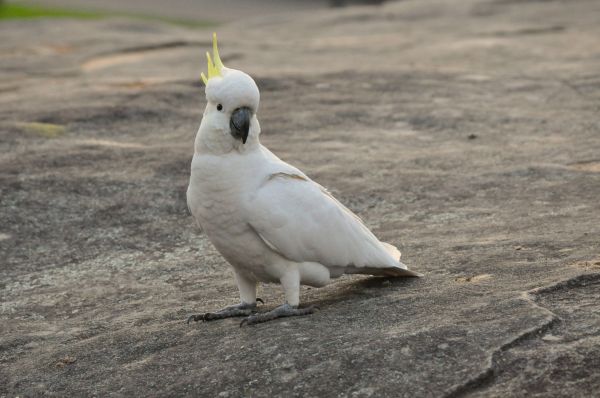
(240, 123)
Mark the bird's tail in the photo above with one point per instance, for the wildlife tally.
(392, 250)
(401, 269)
(398, 269)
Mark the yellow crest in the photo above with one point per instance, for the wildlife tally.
(214, 63)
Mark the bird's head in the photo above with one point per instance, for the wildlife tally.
(232, 96)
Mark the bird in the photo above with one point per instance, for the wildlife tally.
(268, 219)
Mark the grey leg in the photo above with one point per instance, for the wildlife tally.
(282, 311)
(242, 309)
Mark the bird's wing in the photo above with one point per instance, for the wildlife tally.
(300, 220)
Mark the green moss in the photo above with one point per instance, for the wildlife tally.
(22, 11)
(19, 11)
(47, 130)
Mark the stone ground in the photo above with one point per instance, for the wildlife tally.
(466, 133)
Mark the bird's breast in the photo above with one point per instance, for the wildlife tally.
(215, 197)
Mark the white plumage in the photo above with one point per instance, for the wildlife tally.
(300, 220)
(268, 219)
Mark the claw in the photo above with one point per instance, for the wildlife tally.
(208, 316)
(282, 311)
(200, 317)
(195, 318)
(242, 309)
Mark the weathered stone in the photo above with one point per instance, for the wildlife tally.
(101, 262)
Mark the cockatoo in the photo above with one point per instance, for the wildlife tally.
(270, 221)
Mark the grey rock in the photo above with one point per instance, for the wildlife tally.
(101, 263)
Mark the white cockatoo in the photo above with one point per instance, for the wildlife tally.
(267, 218)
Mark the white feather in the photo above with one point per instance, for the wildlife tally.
(304, 223)
(267, 218)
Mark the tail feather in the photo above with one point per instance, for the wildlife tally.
(388, 271)
(399, 269)
(392, 250)
(402, 269)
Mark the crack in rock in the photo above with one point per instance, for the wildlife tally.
(488, 375)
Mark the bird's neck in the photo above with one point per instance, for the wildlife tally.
(218, 142)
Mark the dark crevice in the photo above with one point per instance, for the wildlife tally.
(488, 375)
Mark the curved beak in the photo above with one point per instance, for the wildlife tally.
(240, 123)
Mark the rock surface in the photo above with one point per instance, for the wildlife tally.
(466, 133)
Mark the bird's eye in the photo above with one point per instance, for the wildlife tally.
(219, 107)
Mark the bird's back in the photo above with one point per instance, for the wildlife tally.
(303, 222)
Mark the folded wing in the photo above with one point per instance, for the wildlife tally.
(301, 221)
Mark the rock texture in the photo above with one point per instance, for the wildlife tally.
(466, 133)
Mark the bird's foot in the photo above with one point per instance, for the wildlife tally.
(279, 312)
(242, 309)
